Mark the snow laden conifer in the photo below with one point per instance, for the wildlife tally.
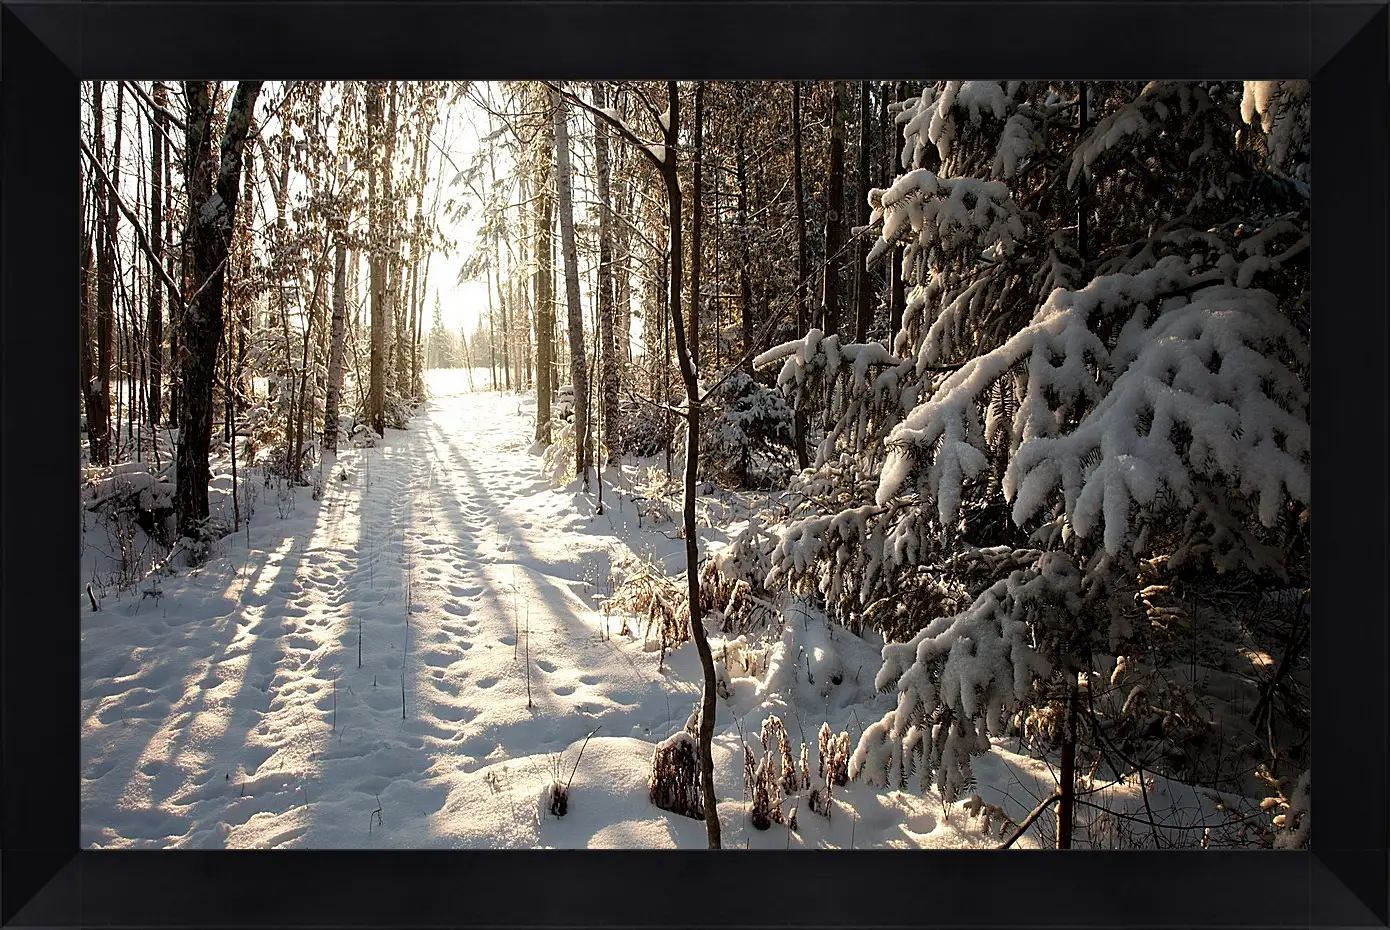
(1103, 363)
(748, 432)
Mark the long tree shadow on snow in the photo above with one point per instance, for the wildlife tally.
(553, 723)
(373, 752)
(188, 765)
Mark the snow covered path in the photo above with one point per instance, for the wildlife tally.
(232, 710)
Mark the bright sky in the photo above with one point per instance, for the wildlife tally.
(460, 132)
(460, 128)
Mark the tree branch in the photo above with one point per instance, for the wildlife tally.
(646, 104)
(135, 223)
(156, 110)
(619, 125)
(1029, 820)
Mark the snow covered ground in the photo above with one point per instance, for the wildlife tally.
(408, 661)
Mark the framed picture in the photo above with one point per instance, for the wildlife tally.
(524, 448)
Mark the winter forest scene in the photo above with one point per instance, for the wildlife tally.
(728, 464)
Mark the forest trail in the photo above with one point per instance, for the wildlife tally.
(234, 712)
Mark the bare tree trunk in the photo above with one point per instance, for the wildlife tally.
(666, 355)
(91, 219)
(213, 186)
(521, 298)
(579, 373)
(799, 419)
(517, 341)
(1067, 775)
(862, 286)
(886, 134)
(1083, 121)
(280, 183)
(243, 322)
(706, 727)
(745, 288)
(697, 212)
(175, 310)
(715, 261)
(1067, 768)
(155, 317)
(896, 288)
(394, 263)
(335, 352)
(492, 329)
(557, 345)
(417, 325)
(496, 257)
(623, 278)
(339, 318)
(545, 279)
(506, 334)
(425, 277)
(376, 390)
(99, 414)
(139, 348)
(307, 389)
(418, 245)
(468, 357)
(835, 205)
(110, 367)
(608, 367)
(412, 369)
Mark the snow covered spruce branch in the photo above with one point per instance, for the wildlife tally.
(960, 680)
(1138, 392)
(939, 216)
(818, 370)
(1196, 388)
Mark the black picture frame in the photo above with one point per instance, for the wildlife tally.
(47, 46)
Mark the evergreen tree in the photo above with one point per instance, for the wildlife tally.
(1103, 362)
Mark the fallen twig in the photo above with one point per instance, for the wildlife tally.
(1033, 815)
(576, 766)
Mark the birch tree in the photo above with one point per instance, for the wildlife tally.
(579, 372)
(99, 411)
(544, 310)
(376, 390)
(607, 361)
(154, 324)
